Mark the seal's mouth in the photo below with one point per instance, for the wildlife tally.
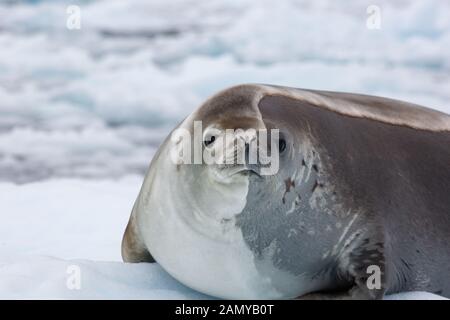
(243, 170)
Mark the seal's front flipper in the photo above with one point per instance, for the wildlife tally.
(364, 268)
(364, 288)
(133, 247)
(355, 293)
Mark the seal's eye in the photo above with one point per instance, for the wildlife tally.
(209, 141)
(281, 145)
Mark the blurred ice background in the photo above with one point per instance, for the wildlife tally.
(83, 111)
(96, 102)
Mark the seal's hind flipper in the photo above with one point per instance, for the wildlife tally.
(133, 247)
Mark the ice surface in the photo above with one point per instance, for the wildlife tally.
(40, 277)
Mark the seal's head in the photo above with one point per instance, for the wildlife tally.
(227, 136)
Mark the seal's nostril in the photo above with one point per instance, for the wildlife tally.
(281, 145)
(211, 140)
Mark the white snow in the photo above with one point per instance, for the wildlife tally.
(41, 277)
(83, 111)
